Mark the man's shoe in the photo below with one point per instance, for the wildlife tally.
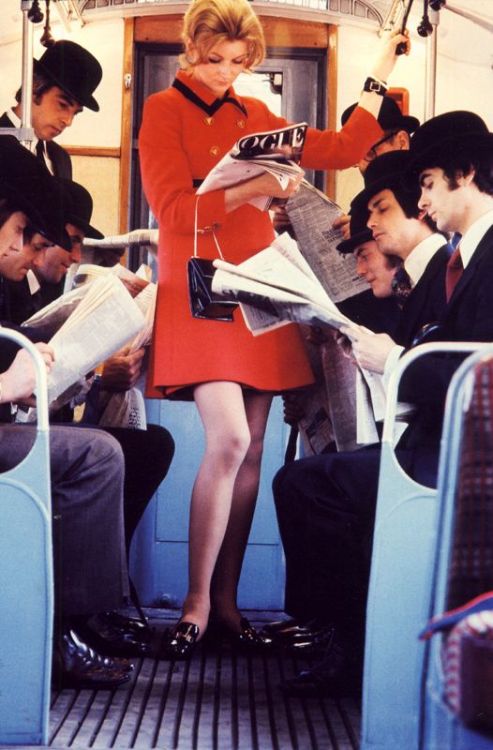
(132, 625)
(110, 639)
(77, 665)
(335, 675)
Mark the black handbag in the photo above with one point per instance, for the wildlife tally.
(204, 303)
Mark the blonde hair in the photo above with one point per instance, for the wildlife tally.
(208, 22)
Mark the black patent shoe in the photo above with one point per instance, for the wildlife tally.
(115, 641)
(129, 625)
(335, 676)
(290, 625)
(246, 637)
(305, 640)
(181, 641)
(75, 664)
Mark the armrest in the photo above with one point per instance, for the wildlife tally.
(407, 359)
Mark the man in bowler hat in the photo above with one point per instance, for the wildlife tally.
(64, 80)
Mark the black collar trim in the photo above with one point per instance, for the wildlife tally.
(210, 109)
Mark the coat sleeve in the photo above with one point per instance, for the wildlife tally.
(166, 174)
(331, 149)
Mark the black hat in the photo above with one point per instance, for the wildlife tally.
(390, 116)
(359, 232)
(73, 69)
(452, 133)
(29, 187)
(78, 208)
(386, 173)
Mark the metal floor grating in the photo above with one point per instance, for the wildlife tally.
(223, 699)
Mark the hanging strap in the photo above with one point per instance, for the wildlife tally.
(195, 234)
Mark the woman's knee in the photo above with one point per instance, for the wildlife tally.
(230, 449)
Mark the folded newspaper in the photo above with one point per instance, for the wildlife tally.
(277, 286)
(256, 153)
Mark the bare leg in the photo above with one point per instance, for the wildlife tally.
(228, 567)
(222, 410)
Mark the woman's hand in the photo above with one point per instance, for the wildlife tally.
(387, 55)
(265, 184)
(19, 381)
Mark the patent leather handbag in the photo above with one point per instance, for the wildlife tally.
(204, 303)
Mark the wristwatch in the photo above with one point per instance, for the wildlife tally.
(374, 86)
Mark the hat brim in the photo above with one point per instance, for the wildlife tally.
(87, 228)
(53, 231)
(86, 101)
(406, 122)
(348, 246)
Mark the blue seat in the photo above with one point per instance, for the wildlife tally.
(400, 585)
(463, 561)
(26, 583)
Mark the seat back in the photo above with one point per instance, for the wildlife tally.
(26, 582)
(400, 583)
(464, 559)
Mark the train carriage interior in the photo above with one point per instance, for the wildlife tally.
(432, 547)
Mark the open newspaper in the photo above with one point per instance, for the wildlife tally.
(89, 325)
(312, 215)
(256, 153)
(277, 286)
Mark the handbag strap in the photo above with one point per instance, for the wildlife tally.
(195, 234)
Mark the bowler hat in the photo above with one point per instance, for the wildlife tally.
(359, 232)
(390, 116)
(78, 208)
(29, 187)
(386, 173)
(73, 69)
(459, 133)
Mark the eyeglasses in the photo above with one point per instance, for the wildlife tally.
(373, 153)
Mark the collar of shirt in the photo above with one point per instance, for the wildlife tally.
(16, 122)
(417, 260)
(471, 239)
(203, 97)
(32, 282)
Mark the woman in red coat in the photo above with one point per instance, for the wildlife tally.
(231, 375)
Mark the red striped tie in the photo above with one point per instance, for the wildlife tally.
(453, 273)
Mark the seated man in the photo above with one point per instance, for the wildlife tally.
(148, 453)
(86, 466)
(325, 504)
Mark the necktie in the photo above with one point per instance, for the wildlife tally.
(453, 273)
(401, 284)
(40, 151)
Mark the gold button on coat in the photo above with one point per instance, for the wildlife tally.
(241, 123)
(214, 150)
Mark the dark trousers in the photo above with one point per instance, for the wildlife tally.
(87, 509)
(147, 455)
(325, 508)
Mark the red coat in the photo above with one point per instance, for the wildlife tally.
(182, 137)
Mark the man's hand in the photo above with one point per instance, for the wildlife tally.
(122, 371)
(293, 407)
(19, 381)
(342, 224)
(369, 349)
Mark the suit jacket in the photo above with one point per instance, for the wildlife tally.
(467, 317)
(427, 301)
(62, 165)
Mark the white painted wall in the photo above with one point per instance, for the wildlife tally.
(105, 40)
